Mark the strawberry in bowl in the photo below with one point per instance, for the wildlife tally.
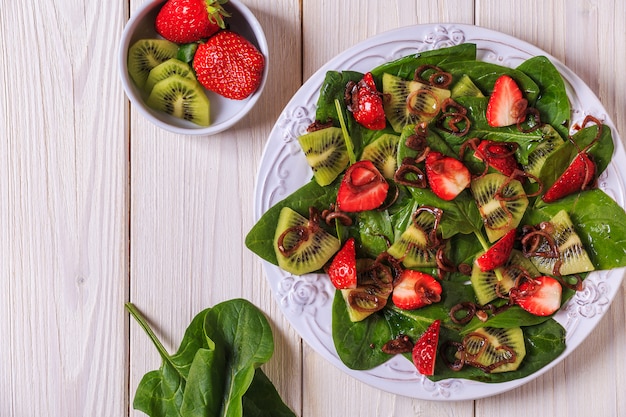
(156, 60)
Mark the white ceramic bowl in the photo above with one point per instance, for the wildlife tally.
(224, 112)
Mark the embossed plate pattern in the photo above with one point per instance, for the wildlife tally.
(306, 301)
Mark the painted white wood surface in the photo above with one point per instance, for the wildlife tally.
(98, 207)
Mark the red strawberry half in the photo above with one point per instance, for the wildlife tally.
(229, 65)
(424, 351)
(186, 21)
(367, 104)
(363, 188)
(342, 269)
(506, 105)
(539, 296)
(447, 176)
(415, 289)
(497, 155)
(498, 254)
(579, 174)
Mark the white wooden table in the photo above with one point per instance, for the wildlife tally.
(99, 207)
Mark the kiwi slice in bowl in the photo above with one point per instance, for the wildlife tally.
(383, 154)
(326, 153)
(166, 69)
(182, 98)
(410, 101)
(501, 202)
(302, 246)
(145, 54)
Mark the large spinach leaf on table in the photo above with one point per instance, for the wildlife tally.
(216, 369)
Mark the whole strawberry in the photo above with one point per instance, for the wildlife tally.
(186, 21)
(229, 65)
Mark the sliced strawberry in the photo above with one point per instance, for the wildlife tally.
(497, 155)
(415, 289)
(425, 349)
(539, 296)
(447, 176)
(342, 269)
(507, 104)
(363, 188)
(367, 104)
(578, 175)
(498, 254)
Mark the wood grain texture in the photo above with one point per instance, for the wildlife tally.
(64, 210)
(99, 207)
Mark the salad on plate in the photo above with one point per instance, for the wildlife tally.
(455, 208)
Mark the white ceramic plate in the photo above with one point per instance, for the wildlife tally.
(306, 301)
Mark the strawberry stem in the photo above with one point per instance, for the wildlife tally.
(344, 130)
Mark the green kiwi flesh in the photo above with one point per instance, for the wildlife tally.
(465, 87)
(499, 214)
(488, 346)
(413, 248)
(371, 293)
(426, 99)
(326, 153)
(166, 69)
(145, 54)
(312, 254)
(182, 98)
(573, 256)
(382, 152)
(488, 286)
(550, 142)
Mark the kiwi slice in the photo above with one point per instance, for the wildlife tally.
(166, 69)
(487, 347)
(326, 152)
(308, 251)
(382, 152)
(465, 87)
(550, 142)
(145, 54)
(372, 292)
(425, 100)
(573, 256)
(501, 202)
(488, 287)
(182, 98)
(414, 247)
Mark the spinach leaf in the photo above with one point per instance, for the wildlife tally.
(260, 239)
(215, 368)
(245, 334)
(405, 67)
(601, 152)
(160, 392)
(485, 74)
(262, 399)
(460, 215)
(599, 222)
(553, 104)
(358, 343)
